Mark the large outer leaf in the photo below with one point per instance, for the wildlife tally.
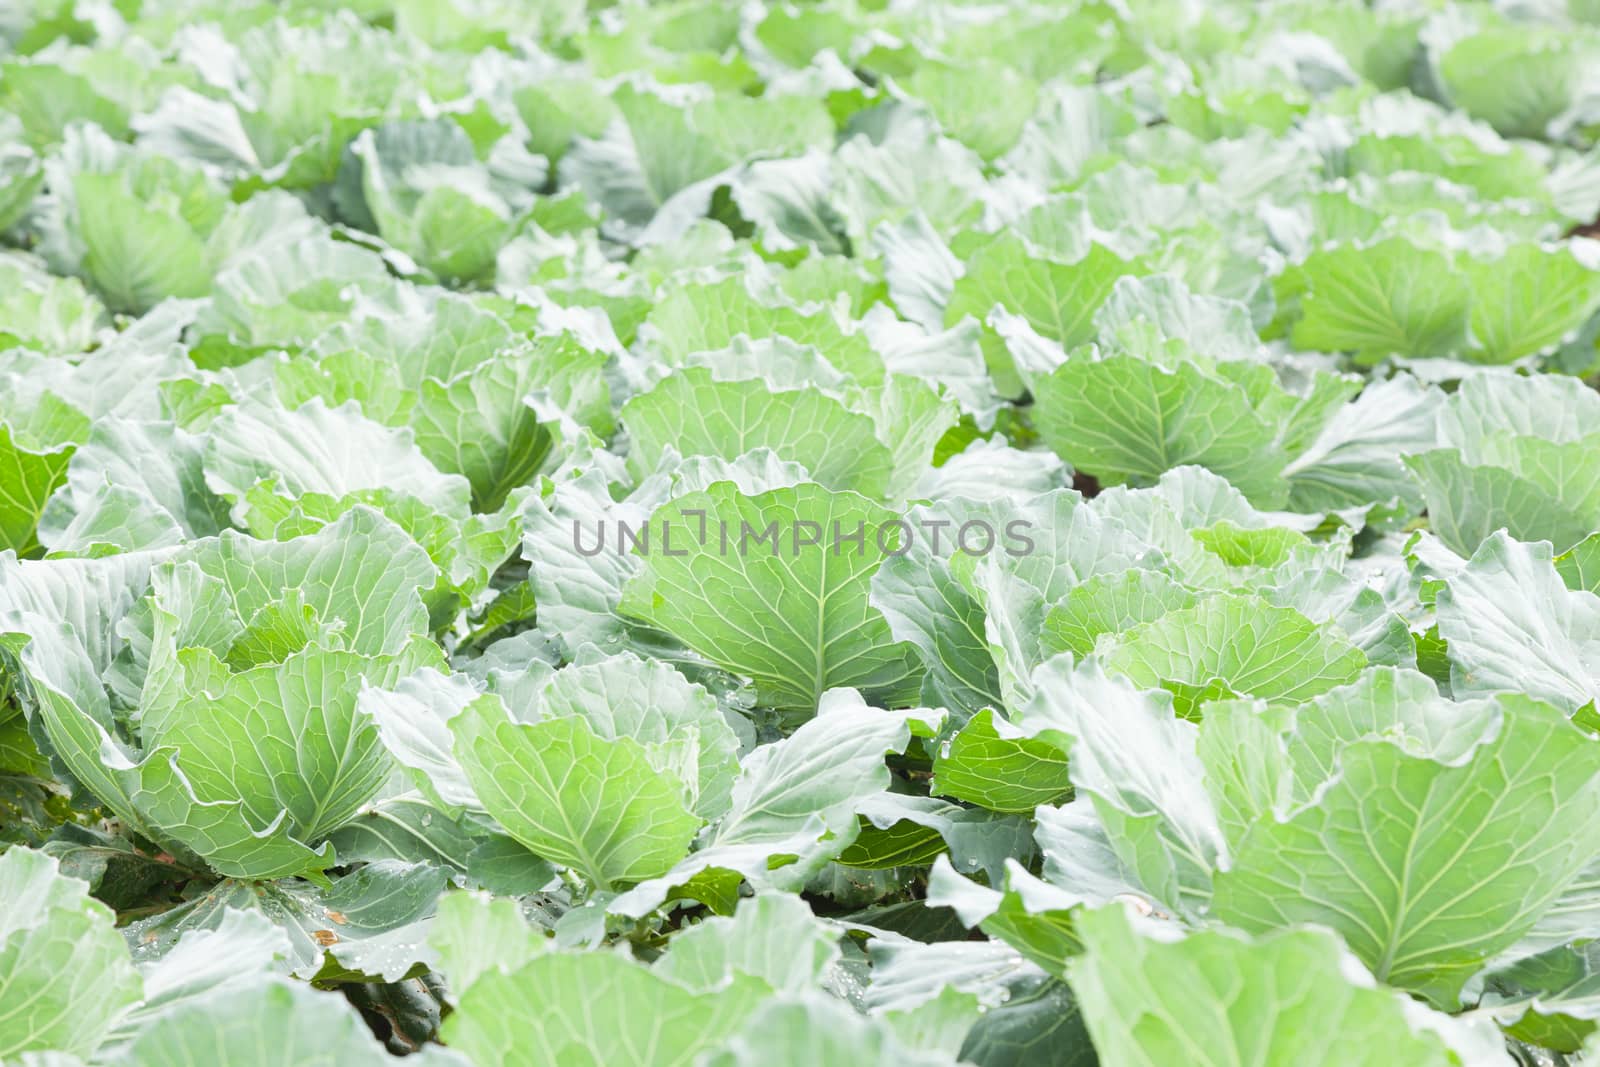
(318, 449)
(1518, 79)
(370, 921)
(801, 1032)
(1528, 300)
(678, 723)
(475, 933)
(1355, 458)
(591, 1009)
(134, 484)
(1137, 762)
(413, 719)
(285, 740)
(707, 317)
(1391, 298)
(1512, 624)
(694, 414)
(241, 951)
(983, 105)
(135, 254)
(1058, 299)
(275, 1023)
(1515, 452)
(65, 975)
(1152, 998)
(1124, 419)
(217, 828)
(1428, 866)
(1141, 311)
(1041, 1025)
(584, 802)
(577, 586)
(1467, 502)
(793, 616)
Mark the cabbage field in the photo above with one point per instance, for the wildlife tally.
(795, 533)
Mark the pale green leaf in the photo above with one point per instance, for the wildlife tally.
(594, 1009)
(65, 975)
(1428, 864)
(766, 586)
(1153, 997)
(595, 805)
